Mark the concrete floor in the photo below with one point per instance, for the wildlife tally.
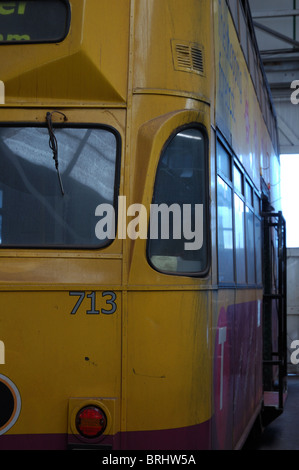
(282, 434)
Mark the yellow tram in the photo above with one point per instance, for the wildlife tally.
(139, 163)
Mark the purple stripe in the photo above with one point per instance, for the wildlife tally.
(33, 442)
(190, 438)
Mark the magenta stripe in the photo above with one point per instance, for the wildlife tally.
(190, 438)
(33, 442)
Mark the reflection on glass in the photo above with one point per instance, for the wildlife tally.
(258, 247)
(256, 204)
(240, 241)
(34, 210)
(248, 193)
(238, 182)
(223, 161)
(250, 247)
(225, 233)
(180, 184)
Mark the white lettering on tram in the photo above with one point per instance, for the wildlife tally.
(2, 353)
(183, 218)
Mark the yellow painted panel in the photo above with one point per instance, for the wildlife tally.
(88, 67)
(169, 363)
(53, 355)
(168, 40)
(39, 271)
(151, 138)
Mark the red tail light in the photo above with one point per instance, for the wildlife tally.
(91, 422)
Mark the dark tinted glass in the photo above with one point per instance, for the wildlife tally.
(33, 210)
(34, 21)
(178, 222)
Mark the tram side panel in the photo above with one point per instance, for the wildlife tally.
(168, 395)
(246, 147)
(168, 378)
(230, 338)
(159, 346)
(61, 300)
(168, 375)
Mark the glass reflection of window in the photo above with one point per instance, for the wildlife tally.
(248, 193)
(238, 180)
(258, 250)
(240, 240)
(225, 232)
(250, 256)
(224, 161)
(35, 213)
(239, 225)
(180, 182)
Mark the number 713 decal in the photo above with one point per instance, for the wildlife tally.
(110, 305)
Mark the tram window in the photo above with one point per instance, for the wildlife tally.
(177, 242)
(258, 250)
(225, 232)
(240, 240)
(256, 203)
(224, 162)
(238, 180)
(35, 213)
(248, 193)
(34, 21)
(250, 247)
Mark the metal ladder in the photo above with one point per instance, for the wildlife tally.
(274, 312)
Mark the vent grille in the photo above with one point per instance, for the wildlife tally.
(197, 59)
(183, 56)
(188, 57)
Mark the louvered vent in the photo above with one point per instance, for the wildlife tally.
(183, 56)
(197, 59)
(188, 57)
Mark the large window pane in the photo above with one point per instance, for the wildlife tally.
(248, 193)
(250, 247)
(258, 252)
(238, 180)
(240, 241)
(34, 210)
(256, 204)
(225, 233)
(34, 21)
(223, 161)
(178, 222)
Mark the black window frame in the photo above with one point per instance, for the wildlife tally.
(48, 41)
(234, 162)
(207, 216)
(74, 125)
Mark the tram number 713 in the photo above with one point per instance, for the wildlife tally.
(110, 302)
